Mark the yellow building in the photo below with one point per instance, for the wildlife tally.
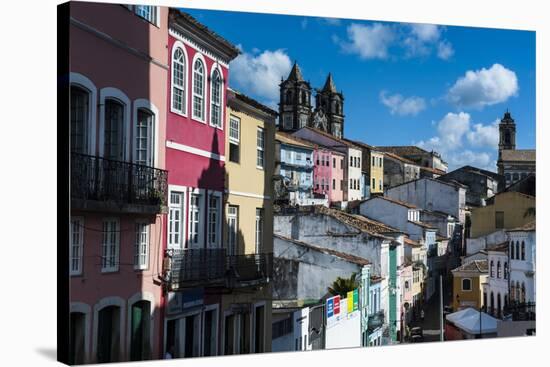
(504, 211)
(248, 227)
(372, 166)
(468, 282)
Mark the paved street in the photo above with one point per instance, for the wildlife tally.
(431, 323)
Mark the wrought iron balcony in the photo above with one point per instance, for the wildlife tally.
(376, 320)
(109, 185)
(520, 311)
(214, 268)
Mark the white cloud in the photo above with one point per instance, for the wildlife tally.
(462, 143)
(259, 74)
(332, 21)
(426, 32)
(445, 50)
(402, 106)
(369, 41)
(484, 135)
(373, 41)
(481, 160)
(484, 87)
(452, 128)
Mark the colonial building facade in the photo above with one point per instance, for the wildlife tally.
(118, 181)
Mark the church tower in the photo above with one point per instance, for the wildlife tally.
(295, 101)
(507, 130)
(331, 103)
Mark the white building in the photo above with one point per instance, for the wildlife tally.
(495, 291)
(522, 252)
(434, 195)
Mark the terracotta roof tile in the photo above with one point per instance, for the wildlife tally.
(342, 255)
(523, 155)
(476, 266)
(288, 139)
(358, 221)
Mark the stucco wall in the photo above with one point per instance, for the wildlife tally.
(512, 204)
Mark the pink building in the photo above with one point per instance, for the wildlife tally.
(328, 173)
(118, 78)
(195, 157)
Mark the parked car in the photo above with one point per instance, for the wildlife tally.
(417, 331)
(417, 339)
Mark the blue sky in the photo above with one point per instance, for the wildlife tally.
(439, 87)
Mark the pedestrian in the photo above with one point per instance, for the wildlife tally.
(422, 315)
(169, 353)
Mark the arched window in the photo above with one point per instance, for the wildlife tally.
(79, 119)
(513, 291)
(507, 137)
(512, 250)
(499, 305)
(517, 250)
(216, 99)
(179, 100)
(505, 270)
(304, 98)
(198, 90)
(522, 250)
(114, 130)
(508, 177)
(466, 284)
(492, 310)
(289, 96)
(144, 137)
(499, 274)
(522, 298)
(406, 284)
(518, 292)
(492, 269)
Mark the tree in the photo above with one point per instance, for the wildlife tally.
(341, 286)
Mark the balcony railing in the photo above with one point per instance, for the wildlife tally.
(524, 311)
(376, 320)
(96, 179)
(213, 267)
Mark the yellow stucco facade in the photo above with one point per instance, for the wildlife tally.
(376, 172)
(507, 212)
(248, 206)
(463, 298)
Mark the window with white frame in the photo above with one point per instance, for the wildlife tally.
(179, 71)
(216, 100)
(198, 90)
(77, 239)
(110, 245)
(194, 218)
(144, 137)
(213, 220)
(232, 228)
(259, 229)
(260, 141)
(114, 130)
(79, 119)
(147, 12)
(141, 246)
(234, 139)
(175, 220)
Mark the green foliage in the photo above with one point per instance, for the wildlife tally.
(341, 286)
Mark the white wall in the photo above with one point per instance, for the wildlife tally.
(345, 332)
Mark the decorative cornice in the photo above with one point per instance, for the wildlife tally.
(189, 42)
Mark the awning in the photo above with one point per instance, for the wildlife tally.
(470, 320)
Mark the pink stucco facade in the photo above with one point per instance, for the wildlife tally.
(115, 54)
(328, 173)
